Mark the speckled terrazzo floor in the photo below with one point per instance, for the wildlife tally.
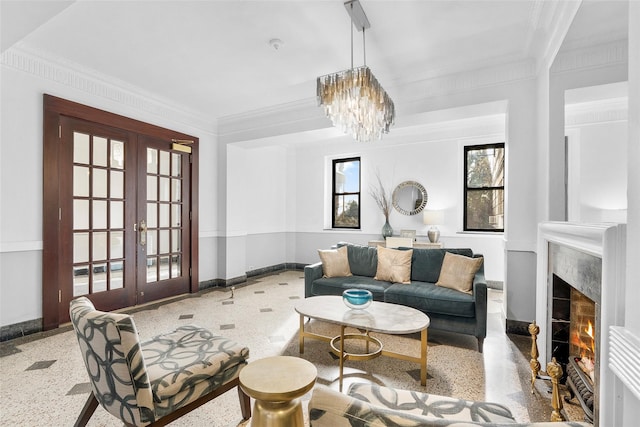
(43, 380)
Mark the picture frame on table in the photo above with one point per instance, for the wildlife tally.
(408, 233)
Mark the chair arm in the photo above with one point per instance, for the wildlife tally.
(311, 273)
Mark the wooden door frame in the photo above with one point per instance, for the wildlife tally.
(54, 108)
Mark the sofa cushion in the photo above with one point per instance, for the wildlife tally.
(335, 262)
(426, 263)
(363, 260)
(394, 265)
(335, 286)
(458, 271)
(429, 298)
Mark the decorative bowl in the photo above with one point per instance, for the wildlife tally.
(357, 299)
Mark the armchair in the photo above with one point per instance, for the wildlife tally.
(154, 382)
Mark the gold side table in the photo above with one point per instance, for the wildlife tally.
(276, 383)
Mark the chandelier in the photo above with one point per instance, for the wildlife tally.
(353, 99)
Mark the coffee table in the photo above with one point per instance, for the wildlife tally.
(385, 318)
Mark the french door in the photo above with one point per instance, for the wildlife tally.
(162, 221)
(124, 233)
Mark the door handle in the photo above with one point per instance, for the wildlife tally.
(143, 232)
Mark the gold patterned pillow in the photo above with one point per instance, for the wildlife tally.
(457, 272)
(394, 265)
(335, 262)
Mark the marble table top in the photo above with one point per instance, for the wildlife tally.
(378, 317)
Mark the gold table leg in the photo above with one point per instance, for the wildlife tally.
(341, 353)
(423, 357)
(301, 334)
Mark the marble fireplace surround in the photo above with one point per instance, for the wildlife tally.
(573, 250)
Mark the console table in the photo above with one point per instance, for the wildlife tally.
(417, 245)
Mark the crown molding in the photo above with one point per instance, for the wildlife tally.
(558, 20)
(602, 111)
(291, 117)
(414, 94)
(305, 115)
(74, 76)
(603, 55)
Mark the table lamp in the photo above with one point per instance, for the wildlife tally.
(433, 218)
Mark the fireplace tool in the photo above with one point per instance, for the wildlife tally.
(554, 371)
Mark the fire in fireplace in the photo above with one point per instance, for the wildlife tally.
(582, 344)
(573, 325)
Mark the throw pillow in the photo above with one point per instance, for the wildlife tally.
(457, 272)
(335, 262)
(394, 265)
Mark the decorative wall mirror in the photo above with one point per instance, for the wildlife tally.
(409, 198)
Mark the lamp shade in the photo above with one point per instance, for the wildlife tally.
(432, 217)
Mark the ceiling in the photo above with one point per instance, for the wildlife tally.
(213, 58)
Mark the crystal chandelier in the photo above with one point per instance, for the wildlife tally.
(353, 99)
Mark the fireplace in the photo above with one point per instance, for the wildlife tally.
(573, 338)
(580, 282)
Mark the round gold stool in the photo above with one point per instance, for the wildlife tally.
(277, 383)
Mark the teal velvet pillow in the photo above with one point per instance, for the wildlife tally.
(363, 260)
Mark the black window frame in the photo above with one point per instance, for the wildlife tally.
(467, 189)
(334, 194)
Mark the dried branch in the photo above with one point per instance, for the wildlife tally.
(381, 196)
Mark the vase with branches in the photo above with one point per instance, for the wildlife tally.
(382, 197)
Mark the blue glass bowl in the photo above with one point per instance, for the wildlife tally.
(358, 299)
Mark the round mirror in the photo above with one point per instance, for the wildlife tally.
(409, 198)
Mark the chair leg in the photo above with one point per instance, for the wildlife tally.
(87, 411)
(480, 344)
(245, 404)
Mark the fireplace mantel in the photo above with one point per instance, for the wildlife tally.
(607, 242)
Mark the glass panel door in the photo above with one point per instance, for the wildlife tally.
(98, 213)
(97, 209)
(165, 219)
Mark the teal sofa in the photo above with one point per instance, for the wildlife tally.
(449, 309)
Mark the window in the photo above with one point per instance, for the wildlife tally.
(484, 187)
(346, 193)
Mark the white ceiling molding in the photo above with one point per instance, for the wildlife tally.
(412, 96)
(542, 13)
(74, 76)
(613, 53)
(594, 112)
(411, 99)
(291, 117)
(560, 18)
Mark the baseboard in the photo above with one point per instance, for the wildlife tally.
(495, 284)
(517, 327)
(21, 329)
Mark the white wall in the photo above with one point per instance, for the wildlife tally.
(597, 180)
(437, 165)
(267, 217)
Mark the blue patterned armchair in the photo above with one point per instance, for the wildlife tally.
(158, 381)
(375, 406)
